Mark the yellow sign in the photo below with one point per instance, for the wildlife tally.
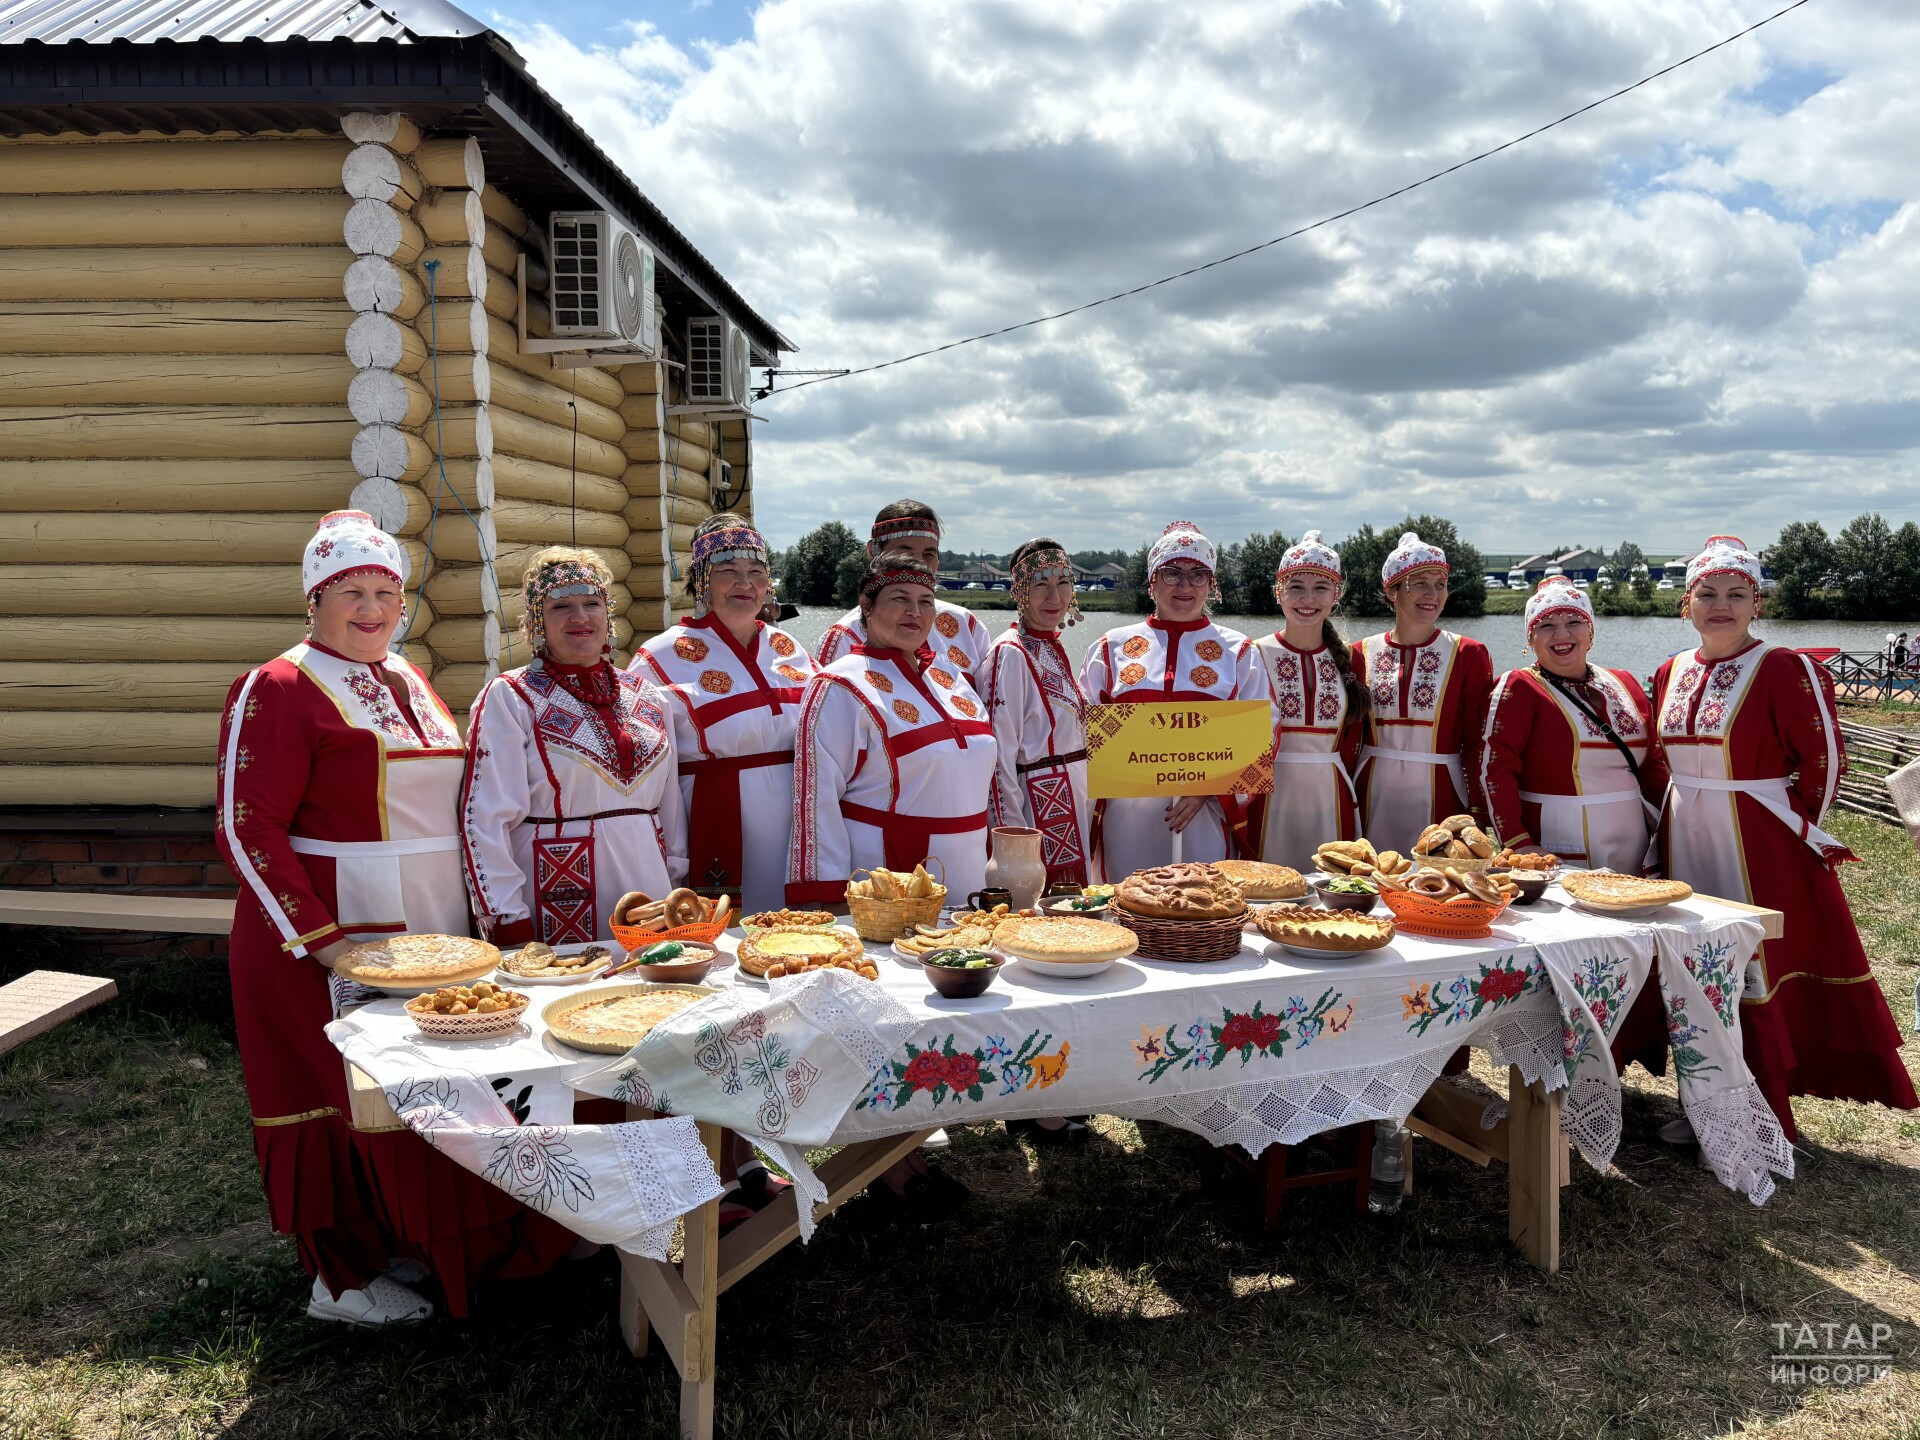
(1180, 747)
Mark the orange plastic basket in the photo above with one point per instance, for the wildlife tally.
(636, 937)
(1423, 915)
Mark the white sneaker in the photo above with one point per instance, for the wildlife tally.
(1679, 1132)
(936, 1141)
(383, 1302)
(407, 1272)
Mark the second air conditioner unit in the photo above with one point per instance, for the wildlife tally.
(719, 363)
(601, 282)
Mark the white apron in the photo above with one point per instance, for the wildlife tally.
(1401, 759)
(1310, 780)
(1607, 825)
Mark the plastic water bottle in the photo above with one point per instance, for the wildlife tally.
(1389, 1167)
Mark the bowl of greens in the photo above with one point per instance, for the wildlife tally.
(1347, 892)
(961, 974)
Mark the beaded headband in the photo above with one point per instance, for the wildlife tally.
(899, 575)
(903, 527)
(555, 580)
(716, 547)
(1050, 563)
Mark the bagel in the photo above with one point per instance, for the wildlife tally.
(1461, 899)
(684, 908)
(1429, 883)
(627, 902)
(1481, 888)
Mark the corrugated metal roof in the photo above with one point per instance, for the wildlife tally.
(102, 21)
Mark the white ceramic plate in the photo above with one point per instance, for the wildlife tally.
(1615, 912)
(1312, 954)
(1065, 969)
(506, 976)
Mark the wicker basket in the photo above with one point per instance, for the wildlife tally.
(1191, 942)
(1436, 862)
(469, 1026)
(1423, 915)
(890, 919)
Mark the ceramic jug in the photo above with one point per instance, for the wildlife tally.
(1016, 864)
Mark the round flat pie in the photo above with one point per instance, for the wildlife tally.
(1606, 891)
(1314, 929)
(417, 961)
(1180, 892)
(1260, 881)
(612, 1022)
(1065, 939)
(761, 951)
(769, 919)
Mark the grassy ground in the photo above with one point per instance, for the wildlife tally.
(1117, 1292)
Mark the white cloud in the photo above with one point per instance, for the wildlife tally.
(1693, 306)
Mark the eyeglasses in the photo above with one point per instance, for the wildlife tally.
(1186, 577)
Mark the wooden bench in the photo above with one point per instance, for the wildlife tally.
(96, 910)
(42, 999)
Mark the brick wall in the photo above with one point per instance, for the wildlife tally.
(138, 852)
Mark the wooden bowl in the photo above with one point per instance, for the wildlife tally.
(1334, 900)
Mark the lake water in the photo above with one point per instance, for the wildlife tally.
(1636, 644)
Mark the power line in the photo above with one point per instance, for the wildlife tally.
(1304, 229)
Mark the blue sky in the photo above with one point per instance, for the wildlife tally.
(608, 22)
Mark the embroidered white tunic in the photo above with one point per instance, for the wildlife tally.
(893, 766)
(544, 775)
(1428, 704)
(1040, 731)
(1313, 797)
(959, 641)
(734, 709)
(1167, 660)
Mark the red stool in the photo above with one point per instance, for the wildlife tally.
(1272, 1182)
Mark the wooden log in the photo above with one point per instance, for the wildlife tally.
(539, 400)
(503, 253)
(174, 379)
(465, 536)
(373, 172)
(185, 786)
(523, 479)
(452, 217)
(376, 341)
(264, 272)
(463, 590)
(657, 582)
(511, 561)
(373, 227)
(371, 283)
(465, 638)
(197, 166)
(202, 220)
(292, 432)
(645, 545)
(645, 446)
(386, 397)
(459, 272)
(112, 327)
(451, 164)
(457, 685)
(463, 379)
(176, 538)
(391, 129)
(650, 479)
(167, 637)
(529, 520)
(465, 432)
(692, 432)
(646, 378)
(507, 215)
(94, 685)
(310, 486)
(149, 590)
(40, 737)
(386, 452)
(648, 618)
(598, 385)
(458, 483)
(396, 508)
(644, 512)
(517, 434)
(502, 295)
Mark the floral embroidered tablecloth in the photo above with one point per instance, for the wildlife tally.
(1269, 1047)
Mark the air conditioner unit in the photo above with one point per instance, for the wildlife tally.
(601, 285)
(719, 363)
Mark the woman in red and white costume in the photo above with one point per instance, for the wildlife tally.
(1753, 745)
(1040, 717)
(1554, 772)
(1322, 709)
(572, 795)
(735, 684)
(338, 790)
(1177, 653)
(1428, 690)
(956, 639)
(894, 753)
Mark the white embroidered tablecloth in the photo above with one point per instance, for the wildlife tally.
(1267, 1048)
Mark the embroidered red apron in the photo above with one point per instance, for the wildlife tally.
(907, 840)
(1056, 817)
(715, 836)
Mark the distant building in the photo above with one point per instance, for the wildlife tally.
(982, 572)
(1582, 564)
